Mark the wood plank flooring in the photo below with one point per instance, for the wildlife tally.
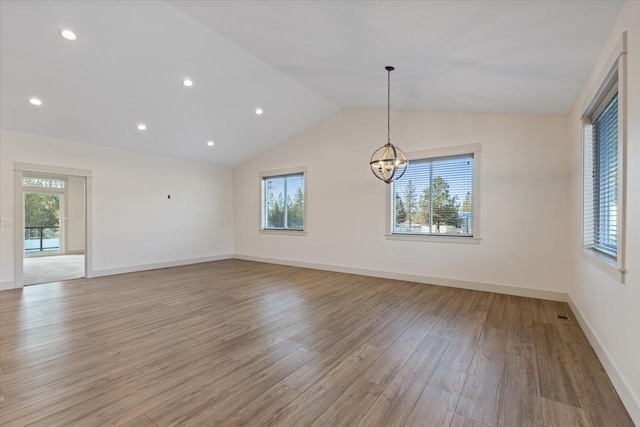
(238, 343)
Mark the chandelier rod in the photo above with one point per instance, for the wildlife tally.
(389, 69)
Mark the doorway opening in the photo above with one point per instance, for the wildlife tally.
(54, 228)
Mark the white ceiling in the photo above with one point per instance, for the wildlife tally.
(300, 61)
(474, 56)
(127, 66)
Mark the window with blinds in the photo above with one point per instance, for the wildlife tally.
(283, 202)
(435, 197)
(601, 178)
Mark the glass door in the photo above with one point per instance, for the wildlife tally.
(42, 234)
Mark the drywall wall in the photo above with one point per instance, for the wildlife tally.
(612, 309)
(524, 175)
(133, 220)
(75, 212)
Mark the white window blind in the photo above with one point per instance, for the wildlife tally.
(435, 197)
(601, 179)
(283, 202)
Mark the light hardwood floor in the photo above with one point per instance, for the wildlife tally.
(243, 343)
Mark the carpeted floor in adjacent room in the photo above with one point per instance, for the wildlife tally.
(55, 268)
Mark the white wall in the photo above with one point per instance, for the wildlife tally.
(612, 309)
(132, 218)
(75, 213)
(524, 176)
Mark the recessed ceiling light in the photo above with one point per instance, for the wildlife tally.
(259, 111)
(35, 101)
(187, 82)
(210, 143)
(68, 34)
(142, 126)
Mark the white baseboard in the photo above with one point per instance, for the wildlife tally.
(464, 284)
(629, 399)
(476, 286)
(9, 284)
(145, 267)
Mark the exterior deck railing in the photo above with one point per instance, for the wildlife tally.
(41, 238)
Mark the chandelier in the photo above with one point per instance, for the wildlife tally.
(388, 162)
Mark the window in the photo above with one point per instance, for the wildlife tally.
(603, 169)
(42, 182)
(436, 196)
(283, 202)
(602, 195)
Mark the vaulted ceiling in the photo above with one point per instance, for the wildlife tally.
(298, 61)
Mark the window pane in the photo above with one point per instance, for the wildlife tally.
(295, 202)
(435, 196)
(274, 203)
(411, 212)
(605, 179)
(283, 202)
(42, 210)
(43, 182)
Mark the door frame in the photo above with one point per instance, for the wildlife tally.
(21, 169)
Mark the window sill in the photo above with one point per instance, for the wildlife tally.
(439, 239)
(283, 232)
(607, 265)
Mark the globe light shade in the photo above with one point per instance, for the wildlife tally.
(388, 163)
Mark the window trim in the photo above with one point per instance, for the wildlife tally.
(613, 76)
(476, 150)
(275, 174)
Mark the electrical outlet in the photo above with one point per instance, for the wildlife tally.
(379, 260)
(113, 258)
(170, 253)
(178, 252)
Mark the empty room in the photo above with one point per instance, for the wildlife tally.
(320, 213)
